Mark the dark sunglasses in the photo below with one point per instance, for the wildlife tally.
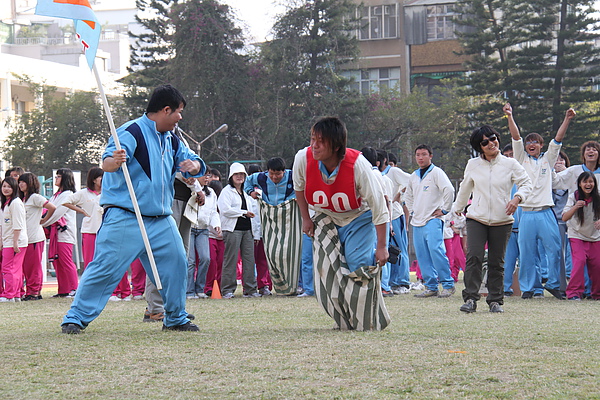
(485, 142)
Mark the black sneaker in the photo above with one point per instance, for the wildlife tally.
(191, 317)
(31, 297)
(495, 307)
(527, 295)
(72, 329)
(470, 306)
(187, 327)
(556, 293)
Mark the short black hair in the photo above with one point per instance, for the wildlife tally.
(370, 154)
(252, 168)
(276, 164)
(333, 131)
(165, 96)
(424, 147)
(216, 172)
(382, 157)
(392, 158)
(506, 148)
(479, 133)
(92, 175)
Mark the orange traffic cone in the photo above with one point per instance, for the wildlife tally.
(216, 291)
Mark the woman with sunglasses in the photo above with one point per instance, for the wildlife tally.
(489, 178)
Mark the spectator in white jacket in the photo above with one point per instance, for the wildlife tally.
(428, 198)
(489, 178)
(202, 218)
(236, 224)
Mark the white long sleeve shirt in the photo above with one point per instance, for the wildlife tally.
(491, 182)
(230, 207)
(399, 180)
(539, 171)
(367, 188)
(567, 179)
(424, 196)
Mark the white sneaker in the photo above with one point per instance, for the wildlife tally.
(114, 298)
(202, 296)
(403, 290)
(138, 297)
(417, 286)
(5, 300)
(128, 298)
(304, 295)
(191, 296)
(71, 294)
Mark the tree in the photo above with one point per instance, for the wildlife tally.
(302, 65)
(196, 46)
(66, 132)
(538, 55)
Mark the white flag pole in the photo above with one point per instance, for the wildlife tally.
(136, 207)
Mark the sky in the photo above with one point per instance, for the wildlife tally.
(257, 15)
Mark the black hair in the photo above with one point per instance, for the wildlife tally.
(580, 195)
(382, 157)
(332, 131)
(424, 147)
(12, 182)
(370, 154)
(217, 186)
(565, 157)
(32, 182)
(17, 169)
(165, 96)
(92, 175)
(216, 172)
(479, 133)
(67, 181)
(276, 164)
(392, 158)
(252, 168)
(506, 148)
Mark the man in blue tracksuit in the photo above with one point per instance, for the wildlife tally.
(153, 156)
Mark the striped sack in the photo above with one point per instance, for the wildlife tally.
(353, 299)
(282, 236)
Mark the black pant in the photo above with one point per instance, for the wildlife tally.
(496, 237)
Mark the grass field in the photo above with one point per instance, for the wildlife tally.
(284, 348)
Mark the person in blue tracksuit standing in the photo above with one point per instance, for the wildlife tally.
(153, 156)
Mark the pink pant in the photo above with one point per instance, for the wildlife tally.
(583, 252)
(455, 254)
(32, 268)
(66, 271)
(263, 277)
(88, 246)
(12, 272)
(138, 281)
(217, 249)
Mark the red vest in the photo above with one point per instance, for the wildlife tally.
(340, 196)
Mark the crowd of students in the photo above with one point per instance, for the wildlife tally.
(519, 204)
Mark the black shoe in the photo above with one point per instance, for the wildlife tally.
(191, 317)
(72, 329)
(527, 295)
(508, 294)
(31, 297)
(187, 327)
(556, 293)
(60, 295)
(470, 306)
(495, 307)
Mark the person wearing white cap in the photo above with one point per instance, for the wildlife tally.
(236, 225)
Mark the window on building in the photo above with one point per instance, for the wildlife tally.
(369, 81)
(378, 22)
(19, 107)
(440, 23)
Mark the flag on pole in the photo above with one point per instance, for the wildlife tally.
(86, 24)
